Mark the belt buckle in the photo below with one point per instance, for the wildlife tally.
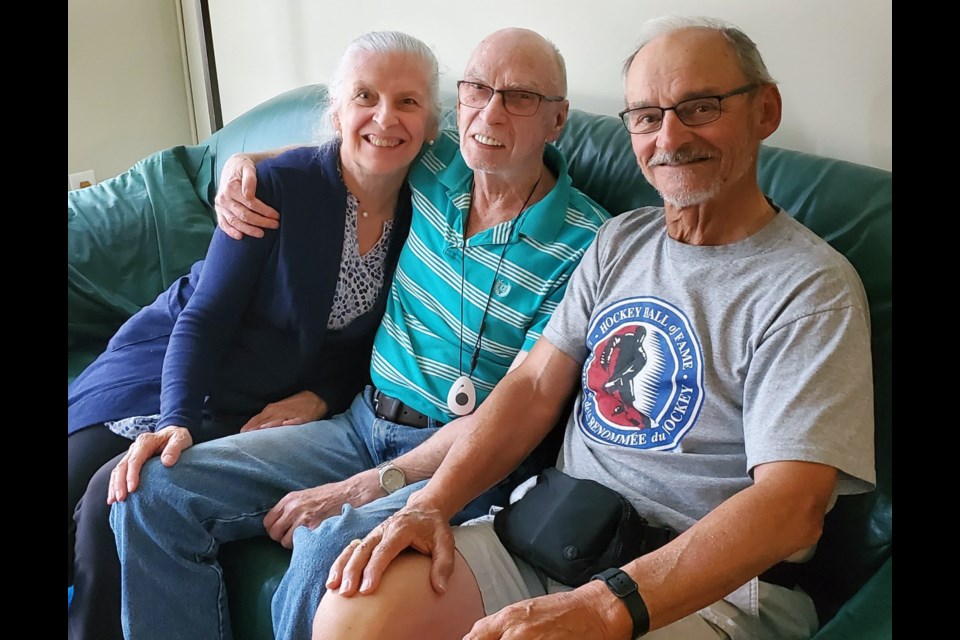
(390, 409)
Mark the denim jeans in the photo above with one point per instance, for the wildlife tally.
(169, 531)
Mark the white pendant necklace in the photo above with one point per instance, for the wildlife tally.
(462, 397)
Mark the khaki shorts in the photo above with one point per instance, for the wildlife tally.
(504, 579)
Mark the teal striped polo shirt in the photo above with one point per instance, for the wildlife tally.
(418, 351)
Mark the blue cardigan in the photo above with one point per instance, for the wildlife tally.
(247, 325)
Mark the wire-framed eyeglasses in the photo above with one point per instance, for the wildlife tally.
(693, 112)
(519, 102)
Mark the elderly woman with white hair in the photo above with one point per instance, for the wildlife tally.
(267, 332)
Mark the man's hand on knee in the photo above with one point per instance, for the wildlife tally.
(360, 566)
(309, 507)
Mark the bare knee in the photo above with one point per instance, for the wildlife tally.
(405, 604)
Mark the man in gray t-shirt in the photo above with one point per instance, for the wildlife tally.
(718, 360)
(720, 356)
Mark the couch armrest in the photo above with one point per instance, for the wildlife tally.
(128, 238)
(868, 614)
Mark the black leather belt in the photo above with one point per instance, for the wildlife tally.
(395, 411)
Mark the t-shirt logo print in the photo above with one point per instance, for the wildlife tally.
(622, 359)
(643, 379)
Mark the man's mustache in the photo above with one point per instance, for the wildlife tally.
(681, 156)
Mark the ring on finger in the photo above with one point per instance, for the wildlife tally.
(356, 542)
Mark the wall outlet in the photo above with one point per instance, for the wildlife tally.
(82, 179)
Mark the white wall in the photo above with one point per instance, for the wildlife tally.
(833, 58)
(126, 90)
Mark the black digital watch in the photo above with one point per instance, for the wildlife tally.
(623, 586)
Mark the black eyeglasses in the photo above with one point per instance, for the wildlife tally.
(519, 102)
(693, 112)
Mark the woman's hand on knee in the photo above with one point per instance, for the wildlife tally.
(168, 443)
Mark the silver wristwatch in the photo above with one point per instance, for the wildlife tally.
(391, 477)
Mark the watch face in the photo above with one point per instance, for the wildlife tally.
(392, 479)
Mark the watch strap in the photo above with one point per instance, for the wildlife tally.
(623, 586)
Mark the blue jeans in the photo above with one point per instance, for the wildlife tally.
(169, 531)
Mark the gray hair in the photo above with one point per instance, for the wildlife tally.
(751, 63)
(384, 42)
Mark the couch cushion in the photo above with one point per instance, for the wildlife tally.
(128, 238)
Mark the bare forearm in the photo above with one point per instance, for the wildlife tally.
(505, 429)
(422, 462)
(258, 156)
(419, 464)
(740, 539)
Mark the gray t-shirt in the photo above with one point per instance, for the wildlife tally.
(701, 362)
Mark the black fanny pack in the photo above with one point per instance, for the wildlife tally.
(572, 529)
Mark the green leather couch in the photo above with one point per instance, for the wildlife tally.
(130, 236)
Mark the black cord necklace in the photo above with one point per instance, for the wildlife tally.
(462, 397)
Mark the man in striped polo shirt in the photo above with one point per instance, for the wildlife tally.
(497, 231)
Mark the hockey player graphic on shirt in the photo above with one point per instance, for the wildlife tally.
(622, 358)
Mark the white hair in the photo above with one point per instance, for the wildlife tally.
(384, 42)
